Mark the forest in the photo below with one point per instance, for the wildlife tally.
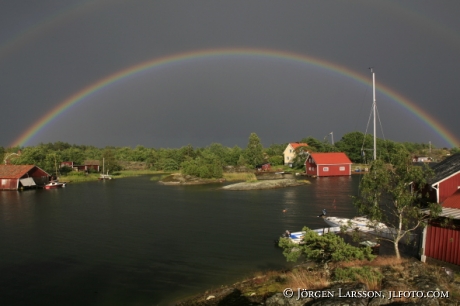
(209, 162)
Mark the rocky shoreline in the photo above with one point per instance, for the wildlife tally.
(410, 275)
(179, 179)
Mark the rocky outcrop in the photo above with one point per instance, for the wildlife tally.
(410, 276)
(266, 184)
(179, 179)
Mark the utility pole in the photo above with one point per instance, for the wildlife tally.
(332, 137)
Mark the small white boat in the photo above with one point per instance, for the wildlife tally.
(104, 176)
(360, 223)
(54, 184)
(297, 237)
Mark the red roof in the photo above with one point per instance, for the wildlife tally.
(295, 145)
(453, 201)
(330, 158)
(14, 171)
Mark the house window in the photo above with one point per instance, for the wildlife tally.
(287, 157)
(325, 169)
(342, 168)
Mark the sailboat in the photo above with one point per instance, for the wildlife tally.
(55, 183)
(103, 175)
(360, 222)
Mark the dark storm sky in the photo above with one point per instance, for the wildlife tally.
(51, 50)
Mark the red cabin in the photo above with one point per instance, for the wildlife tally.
(328, 164)
(446, 180)
(441, 239)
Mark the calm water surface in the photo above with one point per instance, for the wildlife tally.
(135, 242)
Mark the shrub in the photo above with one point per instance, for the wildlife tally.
(371, 277)
(323, 249)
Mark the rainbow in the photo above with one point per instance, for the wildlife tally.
(231, 52)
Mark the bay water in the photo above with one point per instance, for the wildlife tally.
(134, 241)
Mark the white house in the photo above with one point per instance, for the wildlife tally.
(290, 152)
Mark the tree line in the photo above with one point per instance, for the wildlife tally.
(203, 162)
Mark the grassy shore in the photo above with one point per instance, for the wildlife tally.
(240, 176)
(78, 177)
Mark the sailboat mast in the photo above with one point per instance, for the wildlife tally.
(373, 107)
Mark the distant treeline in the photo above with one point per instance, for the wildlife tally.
(209, 161)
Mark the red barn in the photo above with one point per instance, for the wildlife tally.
(441, 238)
(328, 164)
(14, 177)
(446, 180)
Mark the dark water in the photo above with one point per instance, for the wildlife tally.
(135, 242)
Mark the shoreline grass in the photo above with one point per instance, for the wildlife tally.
(79, 177)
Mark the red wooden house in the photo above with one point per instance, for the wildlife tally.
(441, 238)
(14, 177)
(446, 180)
(328, 164)
(88, 165)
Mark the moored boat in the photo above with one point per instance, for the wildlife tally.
(54, 184)
(361, 223)
(297, 237)
(104, 176)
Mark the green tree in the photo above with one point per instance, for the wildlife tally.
(323, 249)
(254, 151)
(455, 150)
(354, 144)
(241, 161)
(314, 145)
(276, 160)
(2, 153)
(208, 165)
(109, 161)
(392, 193)
(234, 155)
(32, 156)
(167, 164)
(300, 157)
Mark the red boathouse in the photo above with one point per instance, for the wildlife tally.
(328, 164)
(14, 177)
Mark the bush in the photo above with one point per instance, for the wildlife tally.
(323, 249)
(371, 277)
(168, 164)
(202, 168)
